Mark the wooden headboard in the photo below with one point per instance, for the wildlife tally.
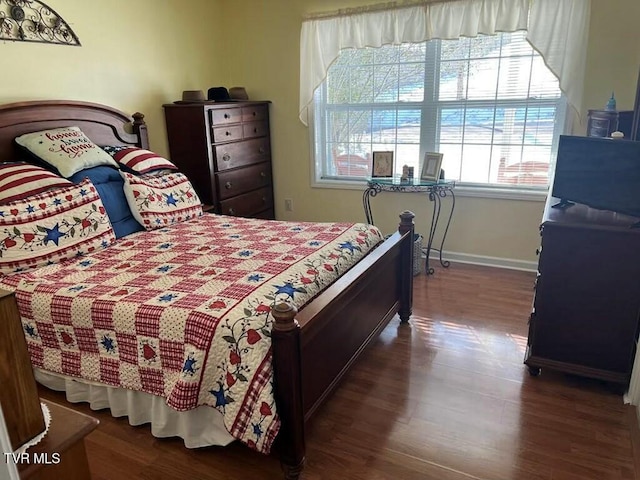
(102, 124)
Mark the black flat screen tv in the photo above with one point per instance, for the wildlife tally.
(599, 172)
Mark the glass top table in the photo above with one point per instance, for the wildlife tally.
(411, 185)
(436, 191)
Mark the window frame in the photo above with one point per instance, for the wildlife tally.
(430, 111)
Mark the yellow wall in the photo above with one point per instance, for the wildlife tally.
(135, 56)
(138, 55)
(266, 62)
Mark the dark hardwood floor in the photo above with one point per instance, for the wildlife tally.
(444, 398)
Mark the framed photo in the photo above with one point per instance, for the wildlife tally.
(382, 164)
(431, 166)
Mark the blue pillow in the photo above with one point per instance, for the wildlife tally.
(108, 182)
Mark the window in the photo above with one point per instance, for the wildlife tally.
(488, 103)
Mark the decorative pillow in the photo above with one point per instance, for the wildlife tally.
(160, 201)
(67, 149)
(52, 226)
(109, 183)
(20, 180)
(138, 160)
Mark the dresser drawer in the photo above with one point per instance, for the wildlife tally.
(255, 129)
(227, 134)
(248, 204)
(239, 154)
(257, 112)
(224, 116)
(242, 180)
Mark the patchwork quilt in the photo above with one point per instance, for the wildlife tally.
(183, 311)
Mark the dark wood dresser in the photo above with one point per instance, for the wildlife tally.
(225, 150)
(587, 298)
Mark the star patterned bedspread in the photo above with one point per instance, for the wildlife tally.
(183, 312)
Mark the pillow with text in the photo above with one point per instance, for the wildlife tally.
(66, 149)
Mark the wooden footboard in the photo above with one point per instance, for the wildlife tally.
(313, 349)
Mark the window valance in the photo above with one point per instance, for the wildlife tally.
(558, 29)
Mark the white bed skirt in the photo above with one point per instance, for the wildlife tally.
(200, 427)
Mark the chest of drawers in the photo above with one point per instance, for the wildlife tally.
(225, 150)
(586, 309)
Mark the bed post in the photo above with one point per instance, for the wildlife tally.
(406, 269)
(140, 129)
(285, 339)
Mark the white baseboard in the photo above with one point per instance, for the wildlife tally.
(499, 262)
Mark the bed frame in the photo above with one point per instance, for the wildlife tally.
(313, 348)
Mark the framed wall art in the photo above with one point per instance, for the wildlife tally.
(431, 166)
(382, 164)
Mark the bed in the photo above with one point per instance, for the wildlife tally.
(311, 349)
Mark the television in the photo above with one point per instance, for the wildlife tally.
(601, 173)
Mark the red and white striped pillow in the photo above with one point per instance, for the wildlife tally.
(139, 160)
(159, 201)
(20, 180)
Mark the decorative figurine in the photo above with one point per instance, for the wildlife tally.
(405, 173)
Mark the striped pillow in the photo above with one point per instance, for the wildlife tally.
(160, 201)
(20, 180)
(52, 226)
(139, 160)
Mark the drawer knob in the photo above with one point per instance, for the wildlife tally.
(226, 115)
(232, 211)
(263, 175)
(254, 114)
(226, 157)
(261, 150)
(264, 199)
(255, 130)
(227, 133)
(228, 185)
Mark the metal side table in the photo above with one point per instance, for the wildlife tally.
(436, 191)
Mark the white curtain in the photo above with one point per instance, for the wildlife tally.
(558, 29)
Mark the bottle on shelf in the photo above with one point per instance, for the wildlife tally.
(611, 104)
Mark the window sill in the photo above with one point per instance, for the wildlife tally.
(501, 193)
(473, 191)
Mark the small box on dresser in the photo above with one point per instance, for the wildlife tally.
(225, 150)
(601, 123)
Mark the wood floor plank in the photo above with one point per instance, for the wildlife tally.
(444, 398)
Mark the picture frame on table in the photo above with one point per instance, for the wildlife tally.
(431, 166)
(382, 164)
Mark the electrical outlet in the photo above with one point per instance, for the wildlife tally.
(288, 205)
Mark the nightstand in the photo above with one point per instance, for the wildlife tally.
(65, 437)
